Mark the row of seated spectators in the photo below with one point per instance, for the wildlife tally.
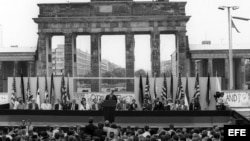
(110, 132)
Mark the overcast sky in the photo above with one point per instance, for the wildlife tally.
(207, 22)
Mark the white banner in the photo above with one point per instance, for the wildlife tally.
(4, 99)
(237, 98)
(101, 96)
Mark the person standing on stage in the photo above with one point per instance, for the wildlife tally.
(33, 105)
(133, 106)
(73, 105)
(84, 105)
(58, 105)
(158, 106)
(46, 105)
(111, 96)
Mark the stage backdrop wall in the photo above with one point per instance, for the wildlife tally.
(159, 82)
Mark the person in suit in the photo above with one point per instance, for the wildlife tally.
(58, 105)
(133, 106)
(146, 105)
(95, 106)
(33, 105)
(194, 105)
(158, 106)
(90, 128)
(182, 106)
(111, 96)
(73, 105)
(122, 105)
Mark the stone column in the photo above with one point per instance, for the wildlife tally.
(1, 76)
(210, 66)
(130, 60)
(193, 68)
(155, 53)
(69, 54)
(31, 69)
(226, 73)
(42, 55)
(242, 74)
(49, 55)
(182, 53)
(95, 61)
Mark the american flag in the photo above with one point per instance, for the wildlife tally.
(164, 88)
(197, 87)
(180, 93)
(63, 90)
(147, 88)
(13, 93)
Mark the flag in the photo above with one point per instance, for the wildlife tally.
(13, 93)
(187, 92)
(63, 91)
(197, 87)
(164, 91)
(208, 94)
(22, 88)
(147, 88)
(46, 93)
(38, 93)
(52, 91)
(218, 85)
(68, 94)
(179, 92)
(141, 99)
(155, 87)
(29, 96)
(171, 87)
(233, 26)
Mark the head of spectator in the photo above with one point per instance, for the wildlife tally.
(146, 128)
(107, 123)
(91, 120)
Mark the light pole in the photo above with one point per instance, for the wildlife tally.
(230, 55)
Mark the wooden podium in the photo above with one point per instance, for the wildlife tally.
(109, 110)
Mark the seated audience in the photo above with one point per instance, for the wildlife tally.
(73, 105)
(84, 105)
(33, 105)
(95, 106)
(46, 105)
(133, 106)
(58, 105)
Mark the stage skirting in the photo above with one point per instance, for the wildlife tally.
(123, 118)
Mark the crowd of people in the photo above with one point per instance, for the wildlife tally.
(158, 104)
(110, 132)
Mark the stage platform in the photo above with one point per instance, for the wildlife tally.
(123, 118)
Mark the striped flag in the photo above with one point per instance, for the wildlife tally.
(52, 91)
(164, 91)
(141, 96)
(172, 86)
(147, 88)
(38, 94)
(63, 90)
(29, 96)
(180, 93)
(68, 94)
(197, 87)
(13, 93)
(46, 93)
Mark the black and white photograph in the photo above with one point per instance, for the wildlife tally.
(124, 70)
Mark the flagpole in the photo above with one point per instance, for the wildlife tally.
(230, 55)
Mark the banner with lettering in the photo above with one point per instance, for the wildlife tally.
(4, 99)
(237, 98)
(101, 96)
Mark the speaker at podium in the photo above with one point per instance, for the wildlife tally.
(109, 110)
